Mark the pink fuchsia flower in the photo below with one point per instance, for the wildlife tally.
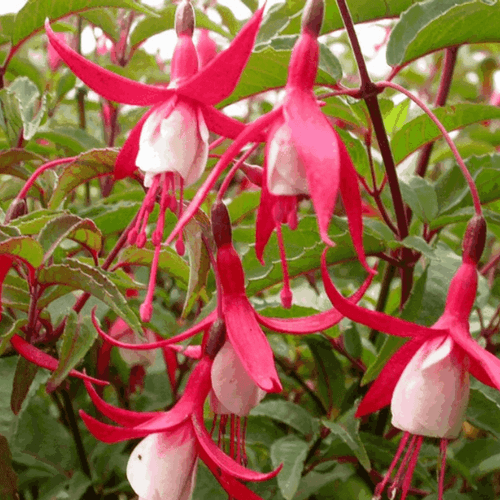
(173, 441)
(54, 59)
(206, 48)
(427, 381)
(170, 142)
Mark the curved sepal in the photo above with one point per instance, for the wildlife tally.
(106, 83)
(217, 80)
(318, 148)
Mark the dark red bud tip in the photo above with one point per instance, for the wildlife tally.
(16, 209)
(474, 239)
(312, 17)
(221, 225)
(216, 338)
(184, 19)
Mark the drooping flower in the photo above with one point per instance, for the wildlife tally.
(170, 142)
(173, 442)
(206, 48)
(426, 382)
(305, 156)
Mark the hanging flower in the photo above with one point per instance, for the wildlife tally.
(427, 381)
(170, 142)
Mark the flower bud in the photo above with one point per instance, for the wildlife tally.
(184, 19)
(474, 239)
(216, 338)
(312, 17)
(221, 225)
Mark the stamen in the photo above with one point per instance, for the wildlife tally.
(146, 309)
(238, 439)
(179, 244)
(411, 467)
(286, 293)
(379, 489)
(443, 445)
(232, 438)
(244, 458)
(391, 492)
(157, 236)
(144, 213)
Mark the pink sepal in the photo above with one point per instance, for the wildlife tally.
(318, 148)
(374, 319)
(106, 83)
(40, 358)
(380, 393)
(250, 343)
(199, 327)
(224, 462)
(217, 80)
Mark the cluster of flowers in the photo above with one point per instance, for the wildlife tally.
(425, 382)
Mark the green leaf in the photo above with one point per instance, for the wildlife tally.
(396, 117)
(92, 280)
(83, 231)
(77, 339)
(71, 139)
(87, 166)
(11, 159)
(23, 378)
(104, 19)
(31, 17)
(268, 69)
(228, 19)
(420, 196)
(31, 111)
(164, 20)
(289, 413)
(390, 346)
(33, 222)
(23, 247)
(480, 456)
(8, 476)
(347, 428)
(422, 129)
(10, 116)
(290, 451)
(484, 408)
(331, 380)
(436, 24)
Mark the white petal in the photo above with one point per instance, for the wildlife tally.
(173, 143)
(432, 393)
(286, 174)
(131, 357)
(232, 385)
(163, 465)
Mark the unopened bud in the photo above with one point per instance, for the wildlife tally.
(221, 224)
(184, 19)
(312, 17)
(216, 338)
(16, 209)
(474, 239)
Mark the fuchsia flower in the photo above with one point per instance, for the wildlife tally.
(427, 381)
(163, 465)
(170, 142)
(206, 48)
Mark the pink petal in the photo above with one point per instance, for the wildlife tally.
(251, 133)
(125, 162)
(373, 319)
(221, 124)
(351, 198)
(40, 358)
(106, 83)
(380, 393)
(226, 464)
(199, 327)
(250, 343)
(318, 148)
(217, 80)
(314, 323)
(487, 363)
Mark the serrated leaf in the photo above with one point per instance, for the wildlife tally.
(77, 339)
(420, 245)
(11, 159)
(435, 24)
(23, 247)
(70, 226)
(87, 166)
(33, 222)
(150, 26)
(31, 17)
(289, 413)
(291, 451)
(422, 129)
(10, 117)
(268, 69)
(92, 280)
(169, 261)
(347, 428)
(23, 377)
